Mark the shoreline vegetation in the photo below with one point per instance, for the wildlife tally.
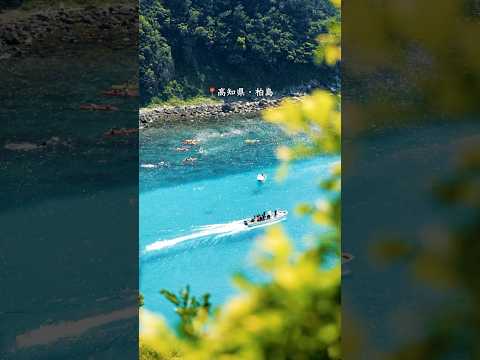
(188, 47)
(280, 317)
(203, 107)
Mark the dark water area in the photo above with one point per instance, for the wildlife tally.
(68, 213)
(388, 186)
(40, 101)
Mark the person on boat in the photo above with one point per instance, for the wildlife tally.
(275, 213)
(245, 222)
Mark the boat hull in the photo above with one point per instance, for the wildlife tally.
(280, 217)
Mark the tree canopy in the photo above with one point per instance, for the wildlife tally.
(186, 45)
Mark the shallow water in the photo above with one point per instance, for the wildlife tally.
(190, 232)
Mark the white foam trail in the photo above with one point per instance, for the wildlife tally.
(203, 231)
(154, 166)
(236, 231)
(216, 230)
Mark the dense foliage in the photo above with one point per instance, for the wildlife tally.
(295, 315)
(188, 45)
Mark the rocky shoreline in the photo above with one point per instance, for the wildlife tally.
(157, 116)
(151, 117)
(39, 33)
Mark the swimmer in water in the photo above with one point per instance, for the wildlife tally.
(189, 160)
(182, 149)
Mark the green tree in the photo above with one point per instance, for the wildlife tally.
(156, 63)
(205, 40)
(295, 315)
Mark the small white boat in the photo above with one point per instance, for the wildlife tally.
(268, 217)
(261, 177)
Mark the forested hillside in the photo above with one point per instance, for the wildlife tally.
(186, 46)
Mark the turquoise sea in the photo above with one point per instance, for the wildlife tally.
(189, 213)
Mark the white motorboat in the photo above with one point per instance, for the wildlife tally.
(268, 217)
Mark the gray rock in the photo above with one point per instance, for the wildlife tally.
(42, 17)
(11, 38)
(227, 108)
(67, 20)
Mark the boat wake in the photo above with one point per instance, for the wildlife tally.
(199, 232)
(214, 230)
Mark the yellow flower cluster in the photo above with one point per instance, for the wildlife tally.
(295, 314)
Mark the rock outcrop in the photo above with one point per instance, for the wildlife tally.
(43, 32)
